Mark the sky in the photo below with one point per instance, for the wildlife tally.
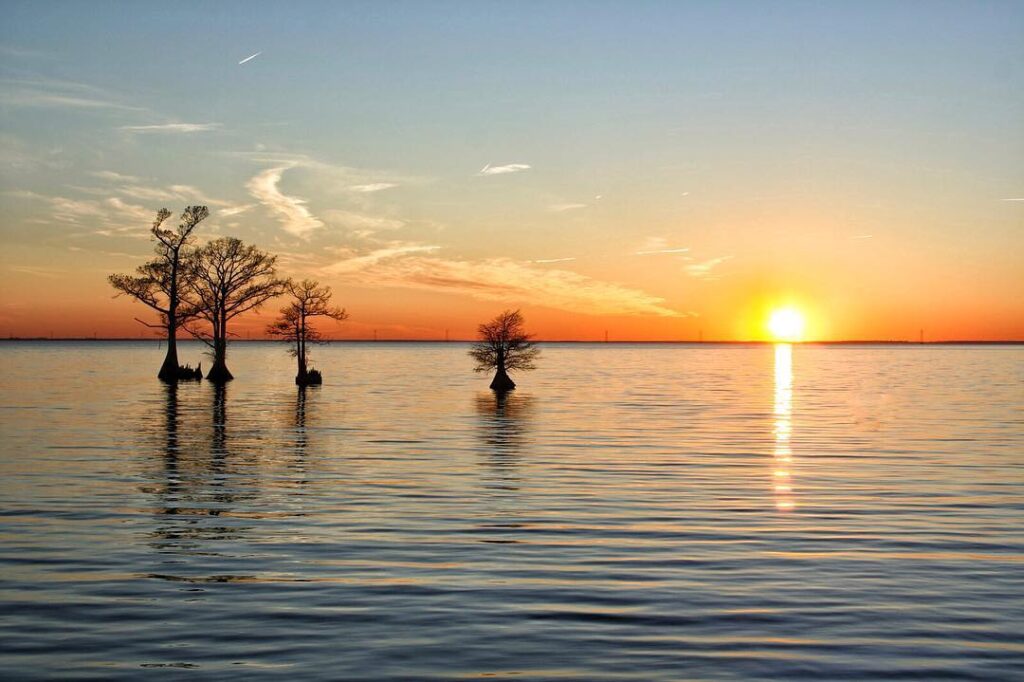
(649, 170)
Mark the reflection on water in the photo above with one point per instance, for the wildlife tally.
(608, 520)
(502, 431)
(503, 419)
(782, 472)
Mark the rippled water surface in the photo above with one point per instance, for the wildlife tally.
(631, 513)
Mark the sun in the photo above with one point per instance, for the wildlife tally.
(786, 324)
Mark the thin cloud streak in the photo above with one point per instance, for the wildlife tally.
(116, 177)
(60, 94)
(552, 260)
(173, 128)
(561, 208)
(358, 263)
(373, 187)
(500, 279)
(503, 170)
(46, 99)
(682, 249)
(250, 58)
(235, 210)
(108, 217)
(704, 269)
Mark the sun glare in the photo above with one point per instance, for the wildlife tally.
(786, 324)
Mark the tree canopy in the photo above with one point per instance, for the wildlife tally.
(504, 344)
(227, 278)
(158, 283)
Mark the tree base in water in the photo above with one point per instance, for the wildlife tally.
(219, 374)
(173, 375)
(502, 382)
(310, 378)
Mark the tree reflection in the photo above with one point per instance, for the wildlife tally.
(305, 402)
(193, 489)
(171, 445)
(301, 438)
(503, 429)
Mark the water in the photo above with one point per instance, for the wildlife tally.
(631, 513)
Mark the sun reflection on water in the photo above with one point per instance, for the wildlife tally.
(782, 477)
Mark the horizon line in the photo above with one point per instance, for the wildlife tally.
(900, 342)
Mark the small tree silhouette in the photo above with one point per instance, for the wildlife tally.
(157, 283)
(309, 300)
(228, 278)
(504, 346)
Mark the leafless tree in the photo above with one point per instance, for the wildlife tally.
(228, 278)
(309, 300)
(504, 346)
(158, 282)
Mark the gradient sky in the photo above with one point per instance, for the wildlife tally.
(656, 170)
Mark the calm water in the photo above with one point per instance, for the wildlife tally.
(631, 513)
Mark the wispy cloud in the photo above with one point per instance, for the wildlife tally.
(18, 155)
(250, 58)
(1015, 199)
(22, 52)
(353, 221)
(862, 236)
(130, 186)
(681, 249)
(658, 245)
(48, 273)
(185, 128)
(502, 170)
(113, 254)
(45, 99)
(561, 208)
(500, 279)
(705, 269)
(356, 263)
(373, 187)
(235, 210)
(116, 177)
(291, 211)
(552, 260)
(58, 94)
(106, 217)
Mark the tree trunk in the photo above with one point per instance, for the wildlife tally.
(501, 381)
(169, 370)
(300, 355)
(219, 371)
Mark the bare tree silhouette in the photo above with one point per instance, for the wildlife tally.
(228, 278)
(504, 346)
(309, 300)
(158, 282)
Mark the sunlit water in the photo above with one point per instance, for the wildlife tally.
(631, 513)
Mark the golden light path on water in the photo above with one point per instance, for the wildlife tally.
(783, 462)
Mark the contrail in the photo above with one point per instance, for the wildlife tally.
(250, 57)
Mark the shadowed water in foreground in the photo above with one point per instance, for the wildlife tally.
(630, 513)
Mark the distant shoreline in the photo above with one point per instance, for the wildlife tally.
(866, 342)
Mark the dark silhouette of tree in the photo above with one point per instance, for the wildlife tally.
(228, 278)
(309, 300)
(159, 284)
(504, 346)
